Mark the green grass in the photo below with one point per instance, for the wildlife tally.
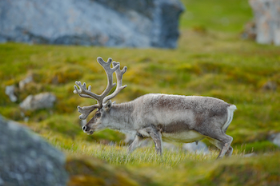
(173, 168)
(117, 154)
(227, 16)
(211, 60)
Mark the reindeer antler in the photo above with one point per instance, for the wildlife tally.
(102, 98)
(85, 111)
(119, 75)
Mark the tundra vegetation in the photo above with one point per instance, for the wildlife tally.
(211, 60)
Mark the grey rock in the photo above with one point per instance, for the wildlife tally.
(250, 31)
(122, 23)
(25, 81)
(249, 155)
(2, 40)
(27, 160)
(39, 101)
(267, 19)
(146, 143)
(270, 85)
(275, 138)
(200, 147)
(10, 91)
(170, 147)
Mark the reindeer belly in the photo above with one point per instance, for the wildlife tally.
(184, 136)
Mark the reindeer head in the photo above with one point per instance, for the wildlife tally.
(103, 100)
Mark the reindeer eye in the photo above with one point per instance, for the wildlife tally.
(98, 114)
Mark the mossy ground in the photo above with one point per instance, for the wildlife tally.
(211, 60)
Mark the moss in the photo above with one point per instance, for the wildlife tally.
(91, 171)
(220, 16)
(107, 134)
(65, 74)
(66, 105)
(257, 171)
(189, 68)
(258, 147)
(13, 113)
(82, 180)
(65, 125)
(31, 88)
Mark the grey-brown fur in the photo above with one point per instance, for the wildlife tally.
(152, 115)
(165, 117)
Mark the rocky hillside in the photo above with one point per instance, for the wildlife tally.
(119, 23)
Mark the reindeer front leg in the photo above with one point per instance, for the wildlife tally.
(149, 132)
(156, 136)
(136, 143)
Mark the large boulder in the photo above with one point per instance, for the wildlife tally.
(26, 159)
(267, 20)
(39, 101)
(124, 23)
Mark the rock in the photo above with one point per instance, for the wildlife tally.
(92, 171)
(122, 23)
(10, 91)
(267, 19)
(270, 85)
(3, 40)
(169, 147)
(250, 31)
(199, 148)
(39, 101)
(26, 159)
(249, 155)
(27, 80)
(275, 138)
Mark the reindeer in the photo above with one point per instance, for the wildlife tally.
(157, 116)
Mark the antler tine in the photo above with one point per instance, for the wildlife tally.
(85, 111)
(119, 75)
(109, 71)
(84, 92)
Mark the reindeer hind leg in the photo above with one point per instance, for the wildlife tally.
(223, 143)
(226, 142)
(229, 152)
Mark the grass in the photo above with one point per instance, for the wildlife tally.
(173, 168)
(227, 16)
(117, 155)
(211, 60)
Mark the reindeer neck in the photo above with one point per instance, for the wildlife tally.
(120, 117)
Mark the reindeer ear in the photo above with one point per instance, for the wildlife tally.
(107, 105)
